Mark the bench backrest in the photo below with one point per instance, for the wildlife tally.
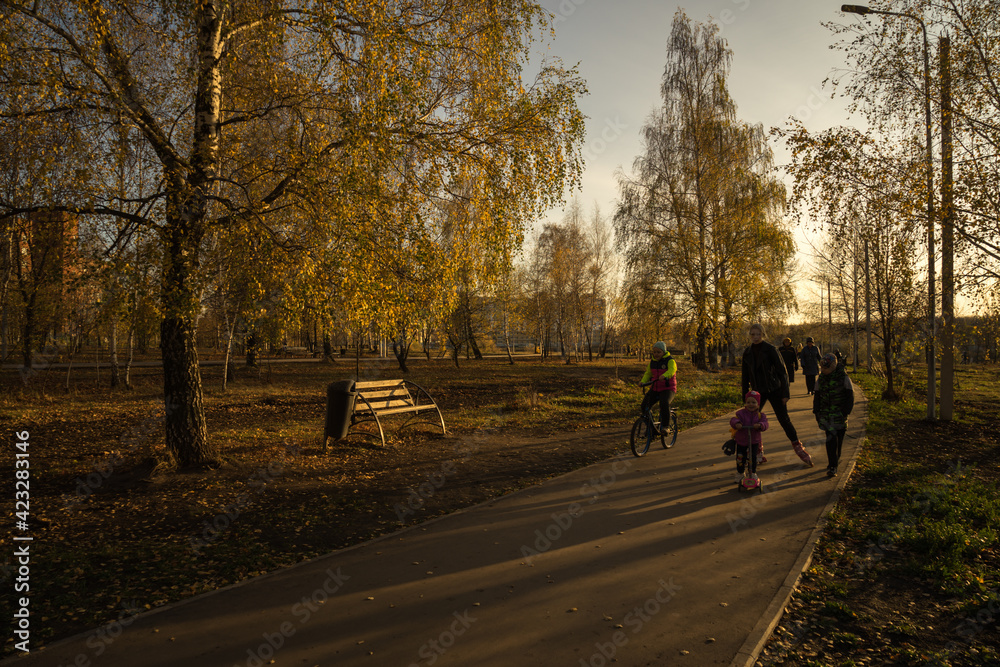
(383, 394)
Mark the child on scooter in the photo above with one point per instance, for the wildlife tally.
(749, 416)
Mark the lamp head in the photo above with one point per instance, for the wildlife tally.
(855, 9)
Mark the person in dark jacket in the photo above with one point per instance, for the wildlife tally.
(832, 403)
(790, 357)
(810, 357)
(764, 371)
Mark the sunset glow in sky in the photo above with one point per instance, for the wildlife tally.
(781, 56)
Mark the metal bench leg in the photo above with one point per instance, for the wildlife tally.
(440, 419)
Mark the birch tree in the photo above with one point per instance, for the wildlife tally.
(861, 190)
(337, 92)
(701, 206)
(885, 81)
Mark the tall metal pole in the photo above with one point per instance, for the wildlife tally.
(931, 305)
(931, 319)
(868, 307)
(829, 316)
(824, 346)
(857, 349)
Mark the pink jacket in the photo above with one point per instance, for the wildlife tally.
(746, 418)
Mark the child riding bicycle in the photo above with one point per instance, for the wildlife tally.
(661, 372)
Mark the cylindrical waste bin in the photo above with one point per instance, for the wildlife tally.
(339, 405)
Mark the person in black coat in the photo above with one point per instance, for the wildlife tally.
(791, 358)
(764, 371)
(832, 403)
(810, 356)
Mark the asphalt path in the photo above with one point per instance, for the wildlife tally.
(657, 560)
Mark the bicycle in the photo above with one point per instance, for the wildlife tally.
(644, 429)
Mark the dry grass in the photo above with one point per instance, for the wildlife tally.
(116, 532)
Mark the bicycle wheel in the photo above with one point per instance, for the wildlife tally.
(641, 436)
(668, 435)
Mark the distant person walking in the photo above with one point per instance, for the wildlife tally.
(790, 357)
(764, 372)
(832, 403)
(810, 356)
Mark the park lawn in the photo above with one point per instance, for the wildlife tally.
(908, 571)
(116, 531)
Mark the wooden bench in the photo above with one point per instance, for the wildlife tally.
(377, 399)
(287, 351)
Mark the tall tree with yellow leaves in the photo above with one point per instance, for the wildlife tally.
(700, 221)
(336, 91)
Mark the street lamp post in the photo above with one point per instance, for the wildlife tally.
(931, 317)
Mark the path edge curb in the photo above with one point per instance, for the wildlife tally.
(750, 651)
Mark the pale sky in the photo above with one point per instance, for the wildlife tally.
(781, 56)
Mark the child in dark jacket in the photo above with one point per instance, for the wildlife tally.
(749, 443)
(832, 403)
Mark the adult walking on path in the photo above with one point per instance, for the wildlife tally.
(791, 358)
(810, 356)
(764, 371)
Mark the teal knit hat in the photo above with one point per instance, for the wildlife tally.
(660, 345)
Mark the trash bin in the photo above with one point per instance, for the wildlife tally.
(339, 406)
